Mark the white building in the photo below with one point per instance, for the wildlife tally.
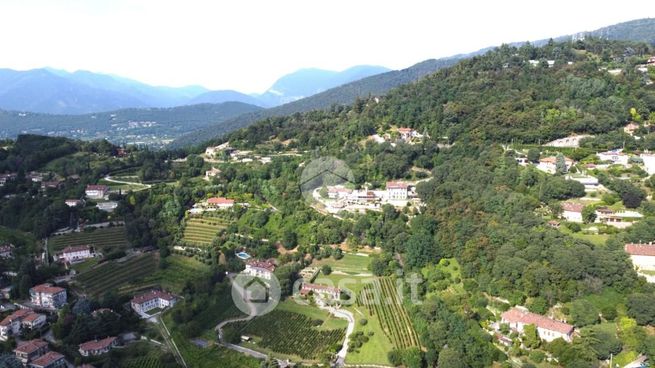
(108, 206)
(616, 157)
(642, 255)
(649, 162)
(397, 190)
(549, 164)
(220, 202)
(48, 296)
(74, 254)
(13, 324)
(590, 183)
(548, 329)
(97, 347)
(96, 191)
(214, 172)
(151, 300)
(329, 291)
(74, 203)
(572, 212)
(339, 192)
(262, 269)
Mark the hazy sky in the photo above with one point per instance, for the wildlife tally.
(246, 44)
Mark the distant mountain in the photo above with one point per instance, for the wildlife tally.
(59, 92)
(152, 126)
(224, 96)
(641, 30)
(308, 82)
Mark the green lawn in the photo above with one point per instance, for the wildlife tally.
(376, 349)
(350, 264)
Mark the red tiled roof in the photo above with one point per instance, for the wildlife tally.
(572, 207)
(31, 346)
(47, 359)
(220, 200)
(396, 185)
(97, 344)
(528, 318)
(19, 314)
(266, 264)
(405, 130)
(47, 289)
(153, 294)
(638, 249)
(97, 187)
(31, 317)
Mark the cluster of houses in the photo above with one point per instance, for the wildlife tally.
(341, 198)
(234, 154)
(36, 354)
(572, 212)
(406, 135)
(19, 321)
(46, 180)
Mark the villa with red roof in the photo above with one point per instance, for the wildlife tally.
(74, 254)
(30, 350)
(96, 191)
(324, 290)
(406, 134)
(572, 211)
(548, 329)
(13, 324)
(397, 190)
(260, 268)
(220, 202)
(151, 300)
(642, 255)
(98, 347)
(48, 296)
(51, 359)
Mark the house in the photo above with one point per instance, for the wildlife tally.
(28, 351)
(572, 141)
(74, 254)
(549, 164)
(48, 296)
(13, 324)
(98, 347)
(642, 255)
(260, 268)
(4, 178)
(406, 134)
(590, 183)
(548, 329)
(51, 184)
(214, 172)
(616, 157)
(151, 300)
(338, 192)
(96, 191)
(6, 251)
(554, 224)
(323, 290)
(618, 219)
(108, 206)
(51, 359)
(35, 177)
(397, 190)
(212, 151)
(631, 128)
(74, 203)
(362, 196)
(572, 211)
(220, 202)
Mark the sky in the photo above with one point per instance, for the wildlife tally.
(246, 44)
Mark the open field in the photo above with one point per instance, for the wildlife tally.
(179, 269)
(350, 263)
(103, 240)
(200, 231)
(116, 275)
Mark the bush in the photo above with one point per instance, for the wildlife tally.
(537, 356)
(363, 321)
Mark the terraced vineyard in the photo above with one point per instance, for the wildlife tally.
(103, 240)
(382, 301)
(290, 333)
(148, 361)
(200, 231)
(115, 275)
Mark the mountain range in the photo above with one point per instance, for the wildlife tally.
(53, 91)
(323, 88)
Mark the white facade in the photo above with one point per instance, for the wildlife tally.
(156, 299)
(47, 296)
(616, 157)
(649, 162)
(96, 191)
(74, 254)
(259, 272)
(397, 191)
(572, 216)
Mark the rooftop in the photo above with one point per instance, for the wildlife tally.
(640, 249)
(47, 359)
(220, 200)
(525, 317)
(31, 346)
(264, 264)
(153, 294)
(98, 344)
(47, 289)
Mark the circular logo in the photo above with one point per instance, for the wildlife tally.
(321, 173)
(255, 296)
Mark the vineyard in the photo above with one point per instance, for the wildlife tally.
(290, 333)
(103, 240)
(200, 231)
(382, 301)
(115, 275)
(147, 361)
